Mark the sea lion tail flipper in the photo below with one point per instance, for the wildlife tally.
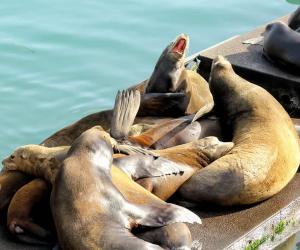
(29, 232)
(161, 215)
(127, 104)
(203, 110)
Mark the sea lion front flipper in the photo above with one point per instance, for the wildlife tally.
(145, 166)
(127, 104)
(202, 111)
(161, 214)
(161, 104)
(131, 150)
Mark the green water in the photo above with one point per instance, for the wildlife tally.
(61, 60)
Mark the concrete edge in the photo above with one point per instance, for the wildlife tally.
(273, 231)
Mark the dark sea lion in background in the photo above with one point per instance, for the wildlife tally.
(282, 46)
(92, 153)
(266, 154)
(294, 19)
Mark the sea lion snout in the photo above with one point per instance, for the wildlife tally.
(220, 62)
(180, 44)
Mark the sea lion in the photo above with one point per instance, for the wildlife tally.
(294, 19)
(282, 46)
(181, 162)
(170, 78)
(188, 93)
(161, 171)
(21, 208)
(166, 134)
(92, 154)
(266, 154)
(10, 182)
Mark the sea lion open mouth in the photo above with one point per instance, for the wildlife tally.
(180, 46)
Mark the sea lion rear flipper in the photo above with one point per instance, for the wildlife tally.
(161, 215)
(127, 104)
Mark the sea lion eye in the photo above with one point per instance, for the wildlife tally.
(12, 157)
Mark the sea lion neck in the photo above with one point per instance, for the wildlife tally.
(93, 147)
(169, 67)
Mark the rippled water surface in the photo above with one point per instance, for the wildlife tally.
(61, 60)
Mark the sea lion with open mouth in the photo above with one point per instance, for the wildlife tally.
(170, 78)
(78, 200)
(266, 154)
(181, 92)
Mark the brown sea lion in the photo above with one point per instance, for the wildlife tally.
(36, 157)
(171, 77)
(172, 166)
(92, 153)
(163, 171)
(188, 93)
(166, 134)
(10, 182)
(266, 154)
(21, 208)
(282, 46)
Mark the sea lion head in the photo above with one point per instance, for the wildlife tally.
(213, 147)
(98, 144)
(169, 67)
(25, 156)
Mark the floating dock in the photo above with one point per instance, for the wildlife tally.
(270, 222)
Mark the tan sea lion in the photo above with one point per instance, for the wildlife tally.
(89, 153)
(266, 154)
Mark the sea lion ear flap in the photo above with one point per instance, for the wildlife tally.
(219, 149)
(24, 155)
